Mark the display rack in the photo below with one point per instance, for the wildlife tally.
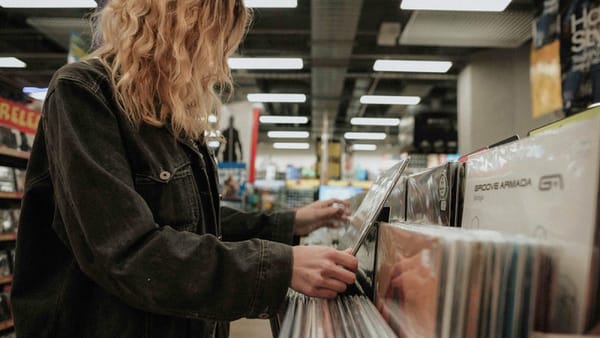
(8, 237)
(6, 279)
(7, 324)
(526, 260)
(10, 200)
(13, 158)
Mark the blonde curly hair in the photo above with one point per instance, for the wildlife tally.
(167, 59)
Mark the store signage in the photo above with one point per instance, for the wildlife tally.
(19, 117)
(550, 182)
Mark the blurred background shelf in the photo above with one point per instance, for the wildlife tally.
(7, 324)
(8, 237)
(13, 158)
(10, 195)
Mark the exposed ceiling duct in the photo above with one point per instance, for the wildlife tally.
(333, 30)
(59, 29)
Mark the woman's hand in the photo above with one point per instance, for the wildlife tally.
(322, 271)
(318, 214)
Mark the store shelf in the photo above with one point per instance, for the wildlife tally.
(8, 237)
(13, 158)
(7, 324)
(8, 195)
(6, 279)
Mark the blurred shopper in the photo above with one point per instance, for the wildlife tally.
(121, 233)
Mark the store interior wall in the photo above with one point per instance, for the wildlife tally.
(374, 162)
(281, 158)
(371, 161)
(494, 98)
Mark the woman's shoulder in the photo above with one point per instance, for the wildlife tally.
(89, 73)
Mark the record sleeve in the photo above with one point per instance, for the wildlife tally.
(407, 277)
(362, 219)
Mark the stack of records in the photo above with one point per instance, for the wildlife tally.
(448, 282)
(345, 316)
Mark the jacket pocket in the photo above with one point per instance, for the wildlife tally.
(171, 193)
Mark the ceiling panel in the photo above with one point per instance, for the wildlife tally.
(468, 29)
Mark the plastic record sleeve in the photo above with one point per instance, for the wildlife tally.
(361, 221)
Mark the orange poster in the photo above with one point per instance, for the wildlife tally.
(18, 116)
(546, 93)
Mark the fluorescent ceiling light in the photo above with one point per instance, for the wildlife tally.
(284, 119)
(40, 96)
(29, 90)
(11, 62)
(285, 98)
(48, 4)
(416, 66)
(364, 136)
(296, 146)
(271, 3)
(212, 118)
(398, 100)
(456, 5)
(364, 147)
(374, 121)
(288, 134)
(265, 63)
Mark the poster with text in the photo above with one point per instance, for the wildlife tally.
(580, 54)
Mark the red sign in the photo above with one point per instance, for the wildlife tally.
(18, 116)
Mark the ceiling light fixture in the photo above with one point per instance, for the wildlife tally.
(265, 63)
(273, 119)
(364, 147)
(374, 121)
(288, 134)
(29, 90)
(456, 5)
(283, 98)
(395, 100)
(11, 62)
(415, 66)
(40, 96)
(271, 3)
(294, 146)
(48, 4)
(364, 136)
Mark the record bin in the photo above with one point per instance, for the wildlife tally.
(547, 186)
(434, 196)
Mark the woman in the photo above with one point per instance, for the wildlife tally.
(119, 233)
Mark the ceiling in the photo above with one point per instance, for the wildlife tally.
(338, 41)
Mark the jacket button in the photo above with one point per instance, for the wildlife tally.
(165, 175)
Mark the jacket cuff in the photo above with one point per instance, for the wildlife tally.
(282, 229)
(275, 275)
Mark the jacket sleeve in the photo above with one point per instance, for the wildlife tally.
(111, 232)
(238, 225)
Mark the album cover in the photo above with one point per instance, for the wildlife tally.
(433, 196)
(407, 280)
(474, 290)
(363, 218)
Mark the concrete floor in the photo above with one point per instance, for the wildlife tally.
(250, 328)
